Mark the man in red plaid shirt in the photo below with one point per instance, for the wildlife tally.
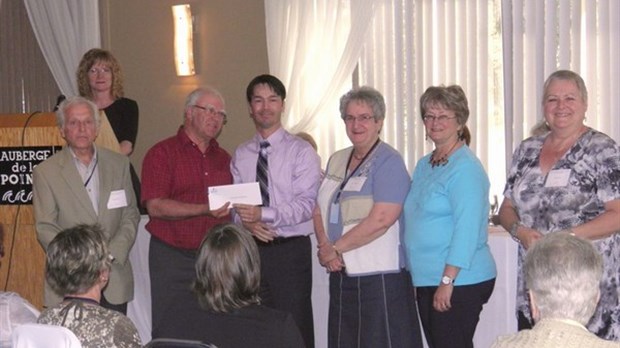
(176, 173)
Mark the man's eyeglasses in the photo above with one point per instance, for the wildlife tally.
(212, 111)
(441, 119)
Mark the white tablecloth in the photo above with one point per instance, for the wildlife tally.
(497, 317)
(139, 310)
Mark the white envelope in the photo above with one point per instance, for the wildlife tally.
(239, 193)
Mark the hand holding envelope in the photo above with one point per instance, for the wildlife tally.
(246, 199)
(234, 194)
(220, 212)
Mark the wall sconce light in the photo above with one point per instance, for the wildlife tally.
(183, 40)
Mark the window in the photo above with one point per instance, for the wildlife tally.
(416, 44)
(499, 51)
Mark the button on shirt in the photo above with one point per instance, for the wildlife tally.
(175, 168)
(90, 177)
(294, 178)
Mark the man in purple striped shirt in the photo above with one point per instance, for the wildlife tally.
(281, 227)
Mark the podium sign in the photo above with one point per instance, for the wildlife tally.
(16, 165)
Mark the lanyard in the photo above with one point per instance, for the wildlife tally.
(346, 179)
(92, 172)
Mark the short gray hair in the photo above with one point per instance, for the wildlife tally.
(227, 269)
(199, 92)
(75, 259)
(564, 274)
(61, 113)
(368, 95)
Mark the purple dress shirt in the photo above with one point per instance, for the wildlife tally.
(294, 178)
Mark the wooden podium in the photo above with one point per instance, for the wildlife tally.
(22, 267)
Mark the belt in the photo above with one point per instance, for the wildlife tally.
(278, 240)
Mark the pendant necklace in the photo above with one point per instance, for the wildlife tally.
(443, 160)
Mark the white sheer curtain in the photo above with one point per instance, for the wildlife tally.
(543, 36)
(65, 30)
(313, 47)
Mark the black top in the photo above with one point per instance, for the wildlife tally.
(123, 117)
(252, 326)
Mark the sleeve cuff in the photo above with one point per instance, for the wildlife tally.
(268, 214)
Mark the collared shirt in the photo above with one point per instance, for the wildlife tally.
(294, 178)
(552, 333)
(175, 168)
(90, 176)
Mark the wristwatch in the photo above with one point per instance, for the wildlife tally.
(513, 231)
(445, 280)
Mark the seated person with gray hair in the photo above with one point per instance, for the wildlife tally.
(562, 273)
(228, 306)
(78, 268)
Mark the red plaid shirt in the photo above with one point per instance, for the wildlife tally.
(176, 169)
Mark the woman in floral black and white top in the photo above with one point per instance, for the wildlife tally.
(568, 180)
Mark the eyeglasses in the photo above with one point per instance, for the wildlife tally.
(95, 71)
(75, 124)
(361, 119)
(212, 111)
(441, 119)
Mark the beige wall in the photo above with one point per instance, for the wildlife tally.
(230, 49)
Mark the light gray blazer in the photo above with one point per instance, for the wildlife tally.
(60, 201)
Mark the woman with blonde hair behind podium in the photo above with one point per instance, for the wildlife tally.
(100, 79)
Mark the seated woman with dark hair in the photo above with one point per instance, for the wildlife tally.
(227, 285)
(78, 267)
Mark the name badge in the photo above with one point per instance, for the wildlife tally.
(334, 212)
(118, 199)
(355, 183)
(557, 178)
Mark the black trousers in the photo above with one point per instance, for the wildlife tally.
(172, 272)
(286, 280)
(456, 327)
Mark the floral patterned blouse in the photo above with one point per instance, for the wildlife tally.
(93, 325)
(589, 175)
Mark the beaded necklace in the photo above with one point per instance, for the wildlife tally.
(443, 160)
